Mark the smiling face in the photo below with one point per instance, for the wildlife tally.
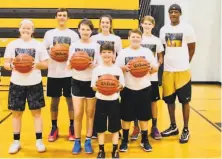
(135, 40)
(174, 16)
(85, 31)
(107, 56)
(26, 30)
(105, 24)
(62, 18)
(147, 26)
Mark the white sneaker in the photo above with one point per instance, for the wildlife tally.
(15, 146)
(40, 146)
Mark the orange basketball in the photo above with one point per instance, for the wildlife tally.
(59, 52)
(23, 63)
(107, 84)
(139, 67)
(80, 60)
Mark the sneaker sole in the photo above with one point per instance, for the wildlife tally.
(93, 137)
(15, 152)
(156, 138)
(145, 149)
(71, 139)
(123, 150)
(171, 134)
(42, 151)
(184, 141)
(76, 153)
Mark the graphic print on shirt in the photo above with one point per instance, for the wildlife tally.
(152, 47)
(61, 40)
(127, 59)
(30, 51)
(90, 52)
(174, 39)
(103, 41)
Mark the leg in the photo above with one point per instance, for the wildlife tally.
(69, 102)
(78, 104)
(101, 153)
(38, 129)
(115, 138)
(16, 103)
(54, 90)
(90, 111)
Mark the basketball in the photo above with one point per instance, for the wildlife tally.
(23, 63)
(107, 84)
(139, 67)
(80, 61)
(59, 53)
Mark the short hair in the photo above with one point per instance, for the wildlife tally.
(107, 46)
(62, 10)
(137, 31)
(86, 22)
(148, 18)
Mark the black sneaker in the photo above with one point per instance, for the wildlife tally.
(123, 147)
(171, 131)
(184, 136)
(101, 154)
(115, 154)
(94, 134)
(146, 146)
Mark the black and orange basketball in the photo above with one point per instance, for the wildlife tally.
(59, 52)
(23, 63)
(107, 84)
(139, 67)
(80, 61)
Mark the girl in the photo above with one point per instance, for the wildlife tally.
(26, 86)
(81, 89)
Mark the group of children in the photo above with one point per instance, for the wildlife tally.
(136, 100)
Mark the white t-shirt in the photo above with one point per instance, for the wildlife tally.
(176, 38)
(128, 54)
(34, 48)
(113, 70)
(92, 49)
(154, 44)
(52, 37)
(116, 40)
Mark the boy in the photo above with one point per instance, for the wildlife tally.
(135, 97)
(107, 106)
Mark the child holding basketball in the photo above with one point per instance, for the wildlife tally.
(154, 44)
(81, 89)
(135, 97)
(26, 85)
(107, 106)
(106, 34)
(59, 78)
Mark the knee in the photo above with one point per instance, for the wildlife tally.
(90, 114)
(17, 115)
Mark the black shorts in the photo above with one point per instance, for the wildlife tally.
(110, 110)
(136, 104)
(82, 89)
(18, 95)
(56, 87)
(155, 94)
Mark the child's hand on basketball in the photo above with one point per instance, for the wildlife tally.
(34, 65)
(69, 67)
(127, 67)
(120, 87)
(92, 65)
(95, 88)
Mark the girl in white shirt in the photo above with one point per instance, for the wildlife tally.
(26, 85)
(106, 34)
(81, 86)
